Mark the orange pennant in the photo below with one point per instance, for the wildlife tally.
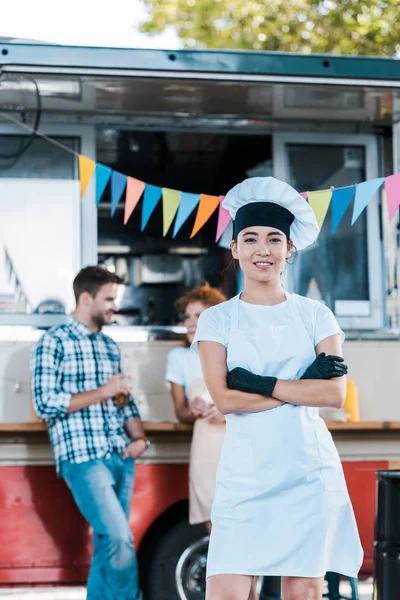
(207, 206)
(134, 191)
(86, 170)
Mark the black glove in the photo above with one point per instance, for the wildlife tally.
(244, 381)
(326, 367)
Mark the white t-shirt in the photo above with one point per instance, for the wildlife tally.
(182, 365)
(214, 323)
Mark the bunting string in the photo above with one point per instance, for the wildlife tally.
(178, 206)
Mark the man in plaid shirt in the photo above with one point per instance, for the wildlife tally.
(76, 378)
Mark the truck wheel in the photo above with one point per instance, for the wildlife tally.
(177, 569)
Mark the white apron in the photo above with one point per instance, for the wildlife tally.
(281, 505)
(205, 452)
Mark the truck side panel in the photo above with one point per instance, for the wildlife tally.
(44, 539)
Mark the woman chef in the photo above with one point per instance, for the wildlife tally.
(269, 360)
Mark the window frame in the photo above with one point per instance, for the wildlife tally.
(87, 216)
(376, 320)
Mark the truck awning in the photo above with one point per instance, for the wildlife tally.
(197, 64)
(197, 84)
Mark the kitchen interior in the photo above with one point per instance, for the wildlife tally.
(158, 269)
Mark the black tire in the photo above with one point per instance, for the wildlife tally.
(184, 544)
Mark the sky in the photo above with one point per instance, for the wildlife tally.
(82, 23)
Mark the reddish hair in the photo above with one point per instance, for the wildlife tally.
(205, 294)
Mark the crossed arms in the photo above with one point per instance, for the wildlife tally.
(305, 392)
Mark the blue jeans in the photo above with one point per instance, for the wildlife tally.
(102, 489)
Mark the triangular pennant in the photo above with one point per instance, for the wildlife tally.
(152, 195)
(223, 219)
(392, 188)
(134, 191)
(86, 169)
(103, 175)
(171, 199)
(364, 192)
(319, 202)
(186, 206)
(226, 238)
(341, 198)
(118, 185)
(207, 206)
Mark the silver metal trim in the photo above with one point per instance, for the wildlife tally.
(203, 76)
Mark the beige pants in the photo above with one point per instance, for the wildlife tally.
(204, 457)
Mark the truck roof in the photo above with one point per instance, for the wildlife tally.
(224, 64)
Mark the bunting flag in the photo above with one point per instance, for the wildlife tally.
(118, 185)
(177, 203)
(392, 188)
(180, 205)
(364, 192)
(226, 238)
(223, 219)
(152, 195)
(341, 199)
(319, 202)
(171, 199)
(86, 170)
(134, 191)
(103, 175)
(207, 206)
(186, 206)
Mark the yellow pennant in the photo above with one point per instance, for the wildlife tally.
(319, 202)
(86, 170)
(170, 202)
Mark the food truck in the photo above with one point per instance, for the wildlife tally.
(197, 122)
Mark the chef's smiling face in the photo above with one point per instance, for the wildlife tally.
(191, 317)
(261, 252)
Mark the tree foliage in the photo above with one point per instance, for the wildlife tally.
(342, 27)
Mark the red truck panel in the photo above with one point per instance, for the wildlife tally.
(44, 539)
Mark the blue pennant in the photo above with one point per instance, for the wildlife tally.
(152, 195)
(103, 175)
(187, 205)
(118, 185)
(341, 198)
(364, 193)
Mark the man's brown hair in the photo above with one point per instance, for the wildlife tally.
(205, 294)
(91, 279)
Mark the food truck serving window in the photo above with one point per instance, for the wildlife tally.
(39, 228)
(342, 269)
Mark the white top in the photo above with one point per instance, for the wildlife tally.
(182, 366)
(214, 323)
(281, 506)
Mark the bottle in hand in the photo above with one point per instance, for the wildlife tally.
(122, 399)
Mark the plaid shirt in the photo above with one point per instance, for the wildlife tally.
(68, 360)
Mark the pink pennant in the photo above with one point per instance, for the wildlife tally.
(304, 195)
(392, 188)
(223, 219)
(134, 191)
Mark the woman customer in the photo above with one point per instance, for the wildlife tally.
(270, 359)
(193, 404)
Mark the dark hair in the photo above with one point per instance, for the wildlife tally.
(91, 279)
(295, 254)
(205, 294)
